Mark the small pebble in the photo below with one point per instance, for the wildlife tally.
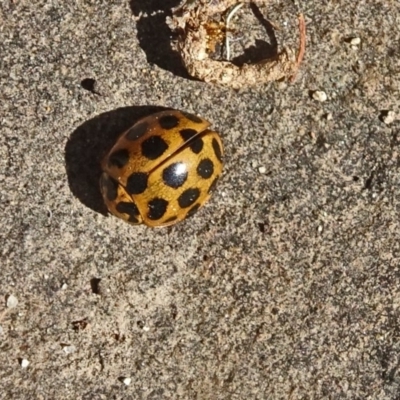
(146, 328)
(389, 117)
(12, 301)
(262, 170)
(127, 381)
(64, 286)
(69, 349)
(355, 41)
(319, 95)
(282, 85)
(24, 363)
(329, 117)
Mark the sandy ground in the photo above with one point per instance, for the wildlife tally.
(285, 286)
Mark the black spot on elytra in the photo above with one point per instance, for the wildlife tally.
(157, 208)
(169, 121)
(212, 186)
(196, 145)
(187, 134)
(217, 149)
(175, 175)
(137, 131)
(188, 197)
(154, 147)
(192, 117)
(109, 186)
(131, 209)
(205, 168)
(193, 210)
(137, 183)
(119, 158)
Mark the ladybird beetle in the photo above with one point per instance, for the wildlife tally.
(162, 169)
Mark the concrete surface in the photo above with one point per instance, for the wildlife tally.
(285, 286)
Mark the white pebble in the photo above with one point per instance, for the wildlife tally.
(146, 328)
(24, 363)
(282, 85)
(389, 117)
(64, 286)
(69, 349)
(127, 381)
(262, 170)
(12, 301)
(319, 95)
(355, 41)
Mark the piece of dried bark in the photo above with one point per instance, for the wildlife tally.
(194, 23)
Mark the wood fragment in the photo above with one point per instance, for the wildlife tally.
(302, 47)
